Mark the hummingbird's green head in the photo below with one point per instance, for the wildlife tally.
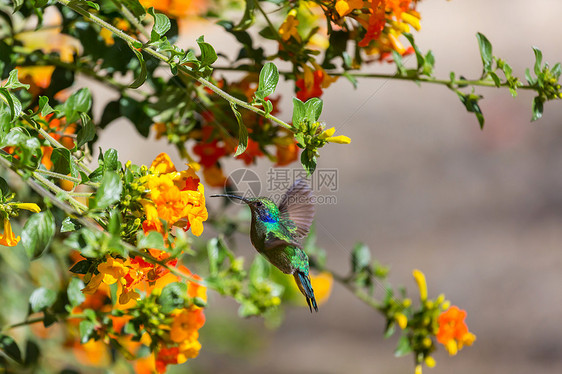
(262, 208)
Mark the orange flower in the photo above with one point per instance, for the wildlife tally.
(8, 238)
(376, 22)
(214, 176)
(185, 325)
(177, 8)
(310, 86)
(287, 153)
(252, 151)
(453, 332)
(210, 153)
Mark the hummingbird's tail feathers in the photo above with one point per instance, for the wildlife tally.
(303, 281)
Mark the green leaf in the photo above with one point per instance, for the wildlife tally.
(81, 267)
(153, 240)
(161, 25)
(269, 77)
(69, 224)
(44, 106)
(32, 353)
(61, 160)
(13, 82)
(79, 102)
(109, 191)
(74, 292)
(111, 160)
(87, 132)
(399, 63)
(298, 112)
(496, 79)
(538, 60)
(208, 54)
(313, 109)
(248, 18)
(259, 270)
(114, 224)
(308, 161)
(485, 52)
(37, 233)
(403, 347)
(87, 329)
(470, 102)
(9, 346)
(242, 132)
(4, 188)
(93, 5)
(360, 257)
(419, 56)
(13, 103)
(135, 7)
(17, 5)
(41, 299)
(537, 108)
(141, 78)
(172, 297)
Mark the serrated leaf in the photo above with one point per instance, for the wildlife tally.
(268, 79)
(242, 132)
(41, 299)
(109, 191)
(141, 78)
(37, 233)
(87, 132)
(485, 52)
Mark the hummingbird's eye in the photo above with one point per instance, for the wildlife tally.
(259, 204)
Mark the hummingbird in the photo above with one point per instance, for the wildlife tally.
(275, 231)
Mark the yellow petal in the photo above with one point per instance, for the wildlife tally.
(422, 285)
(29, 206)
(340, 139)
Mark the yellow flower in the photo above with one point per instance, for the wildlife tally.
(322, 286)
(344, 7)
(418, 369)
(28, 206)
(430, 362)
(340, 139)
(401, 319)
(412, 20)
(113, 269)
(422, 285)
(289, 27)
(8, 238)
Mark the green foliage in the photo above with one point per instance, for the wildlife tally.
(38, 233)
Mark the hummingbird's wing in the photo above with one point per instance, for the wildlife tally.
(296, 209)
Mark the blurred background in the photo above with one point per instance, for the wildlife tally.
(479, 212)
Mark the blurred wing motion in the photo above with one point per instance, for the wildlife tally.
(296, 209)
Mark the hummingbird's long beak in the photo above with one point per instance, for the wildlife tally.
(233, 196)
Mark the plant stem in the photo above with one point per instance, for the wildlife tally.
(182, 68)
(58, 175)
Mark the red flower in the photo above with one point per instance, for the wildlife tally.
(210, 153)
(315, 90)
